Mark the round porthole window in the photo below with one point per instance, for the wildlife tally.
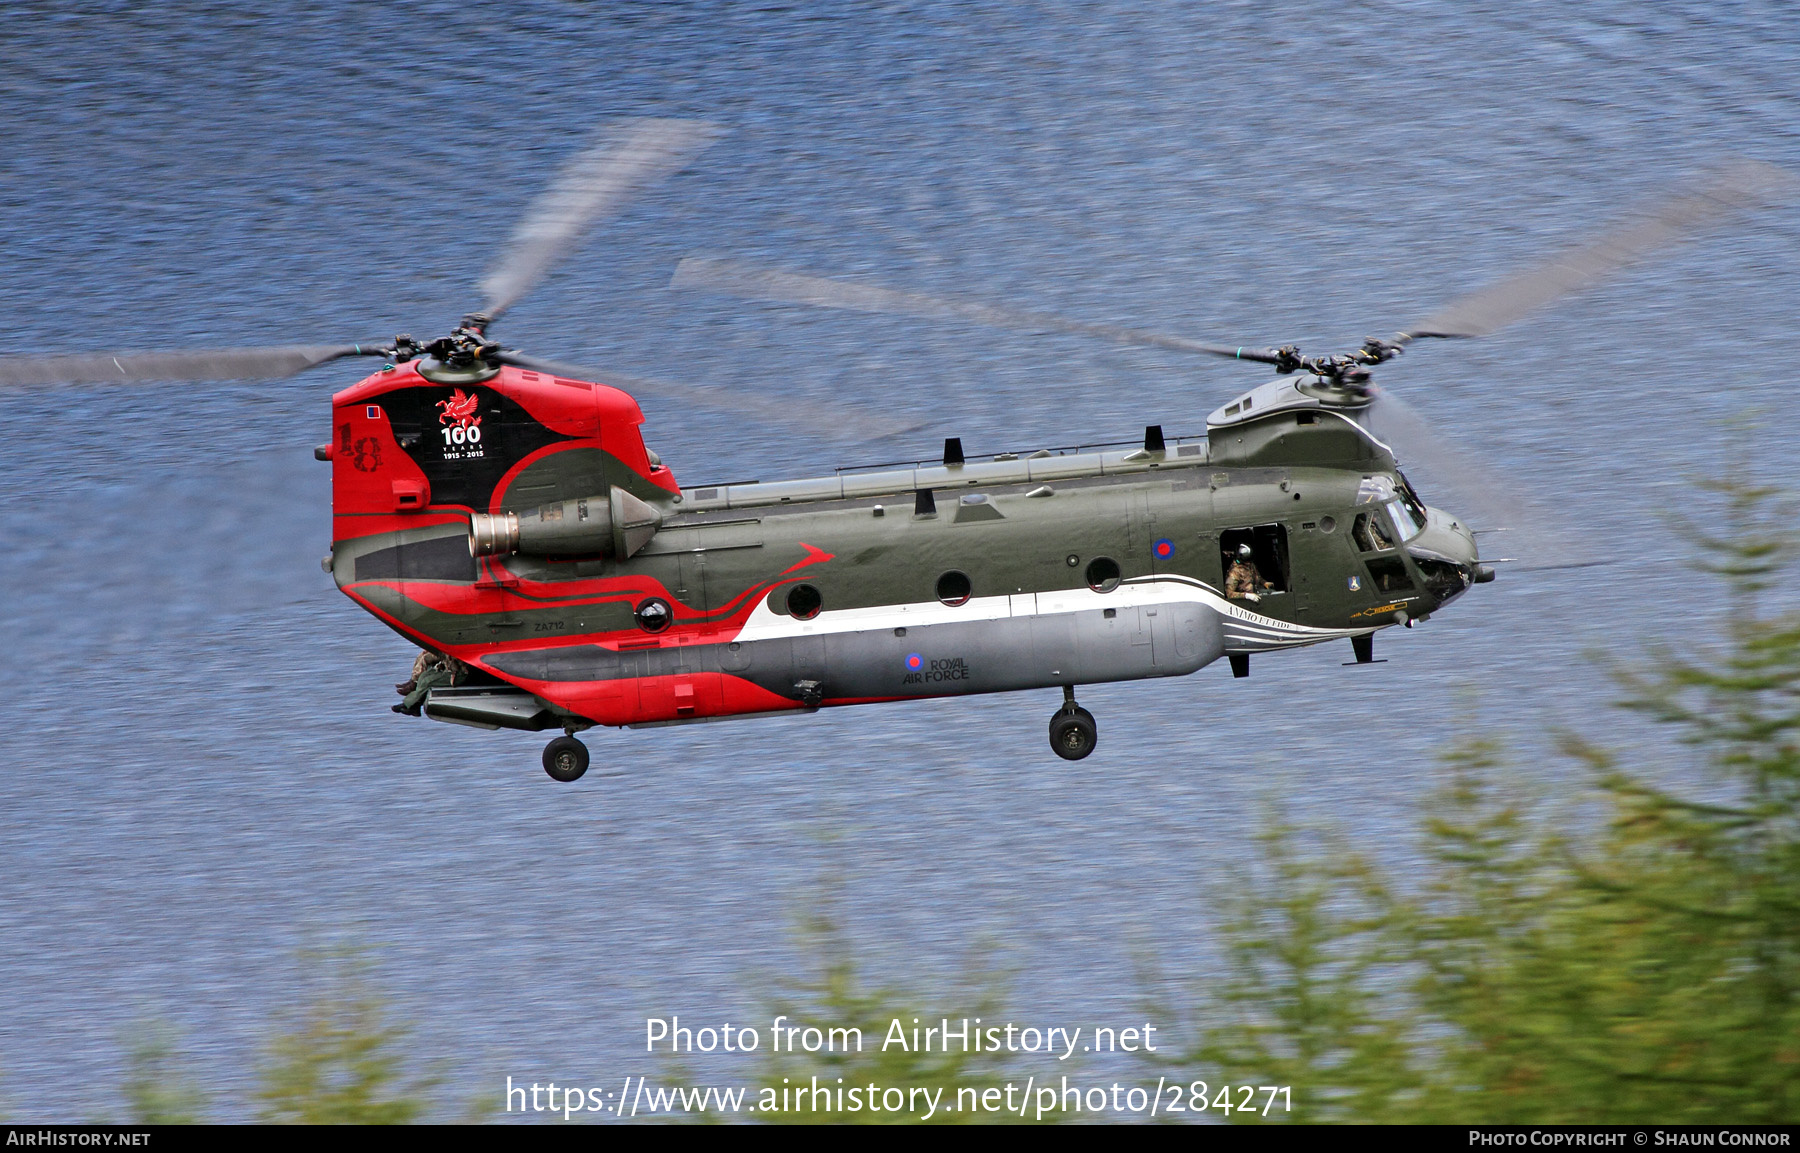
(1327, 524)
(1103, 574)
(953, 588)
(654, 615)
(804, 602)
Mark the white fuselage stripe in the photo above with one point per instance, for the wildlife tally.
(765, 624)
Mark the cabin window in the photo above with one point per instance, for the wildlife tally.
(954, 588)
(1103, 574)
(1268, 552)
(654, 615)
(804, 602)
(1371, 535)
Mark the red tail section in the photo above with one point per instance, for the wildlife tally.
(408, 452)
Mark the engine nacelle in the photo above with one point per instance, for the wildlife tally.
(616, 525)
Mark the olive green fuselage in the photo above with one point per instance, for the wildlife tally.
(991, 575)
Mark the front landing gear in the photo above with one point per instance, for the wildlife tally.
(1072, 731)
(565, 759)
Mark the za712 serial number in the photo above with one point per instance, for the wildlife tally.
(1229, 1099)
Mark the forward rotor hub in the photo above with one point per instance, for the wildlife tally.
(1349, 370)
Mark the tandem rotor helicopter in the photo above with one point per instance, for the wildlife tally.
(503, 513)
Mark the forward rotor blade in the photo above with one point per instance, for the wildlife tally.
(1474, 490)
(132, 367)
(598, 182)
(831, 421)
(1730, 190)
(730, 278)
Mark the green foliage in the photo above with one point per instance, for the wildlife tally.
(340, 1062)
(1638, 960)
(159, 1090)
(1299, 1002)
(834, 996)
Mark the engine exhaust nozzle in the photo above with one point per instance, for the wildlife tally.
(493, 534)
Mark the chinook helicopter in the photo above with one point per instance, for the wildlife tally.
(504, 511)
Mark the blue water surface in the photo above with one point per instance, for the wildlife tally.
(201, 774)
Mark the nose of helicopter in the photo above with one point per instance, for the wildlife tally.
(1447, 555)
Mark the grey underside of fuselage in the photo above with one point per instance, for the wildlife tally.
(987, 656)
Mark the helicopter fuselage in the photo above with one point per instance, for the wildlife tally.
(610, 595)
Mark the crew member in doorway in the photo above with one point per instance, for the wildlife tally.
(430, 671)
(1243, 582)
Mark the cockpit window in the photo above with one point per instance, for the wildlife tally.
(1374, 490)
(1403, 520)
(1370, 534)
(1402, 502)
(1390, 575)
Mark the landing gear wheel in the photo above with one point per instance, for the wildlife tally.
(1072, 733)
(565, 759)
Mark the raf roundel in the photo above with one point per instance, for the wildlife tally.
(1164, 548)
(915, 662)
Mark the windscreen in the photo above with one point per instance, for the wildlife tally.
(1403, 520)
(1413, 504)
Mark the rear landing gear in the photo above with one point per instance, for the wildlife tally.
(1072, 731)
(565, 759)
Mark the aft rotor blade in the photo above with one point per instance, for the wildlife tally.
(1705, 202)
(830, 421)
(1474, 490)
(728, 277)
(216, 364)
(599, 181)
